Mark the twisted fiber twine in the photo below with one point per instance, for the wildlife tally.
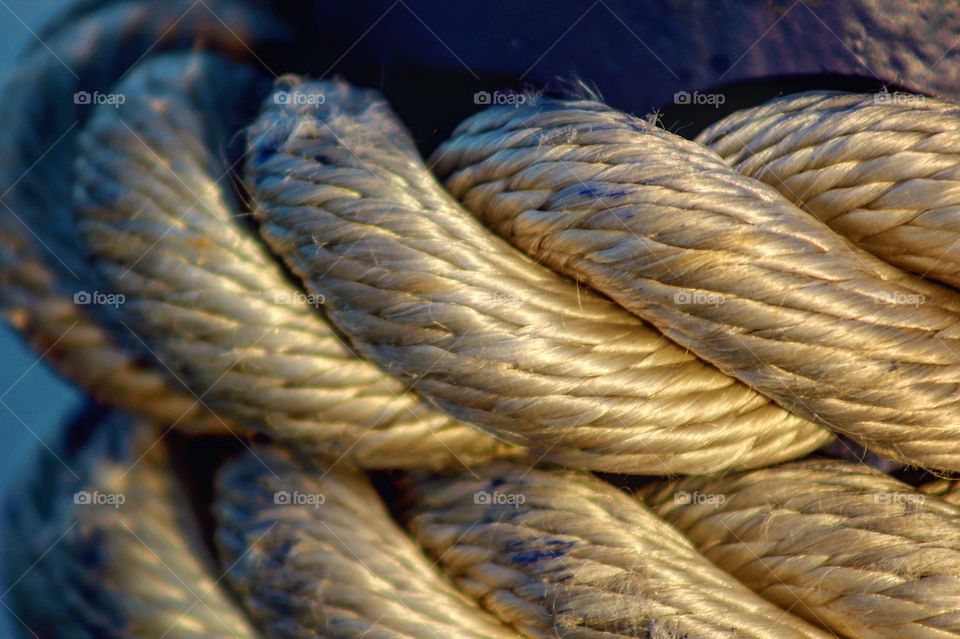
(208, 297)
(882, 169)
(328, 561)
(722, 264)
(484, 333)
(838, 543)
(95, 570)
(42, 266)
(563, 554)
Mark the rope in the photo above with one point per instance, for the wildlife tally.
(880, 169)
(840, 544)
(562, 554)
(112, 551)
(487, 335)
(722, 265)
(945, 489)
(155, 210)
(344, 304)
(42, 266)
(314, 553)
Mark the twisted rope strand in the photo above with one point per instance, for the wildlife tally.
(562, 554)
(81, 564)
(722, 264)
(881, 169)
(43, 269)
(156, 213)
(314, 553)
(484, 333)
(838, 543)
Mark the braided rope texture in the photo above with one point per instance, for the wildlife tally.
(113, 551)
(562, 554)
(838, 543)
(488, 336)
(722, 264)
(314, 553)
(156, 210)
(43, 269)
(651, 305)
(880, 169)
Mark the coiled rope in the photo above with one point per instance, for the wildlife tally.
(407, 335)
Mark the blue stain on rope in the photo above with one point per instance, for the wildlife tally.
(532, 556)
(549, 549)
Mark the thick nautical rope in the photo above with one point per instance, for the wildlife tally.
(314, 553)
(841, 544)
(488, 336)
(154, 207)
(101, 543)
(43, 269)
(407, 335)
(722, 264)
(564, 554)
(881, 169)
(789, 308)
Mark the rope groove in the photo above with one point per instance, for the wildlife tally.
(723, 265)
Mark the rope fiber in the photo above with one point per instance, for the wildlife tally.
(395, 376)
